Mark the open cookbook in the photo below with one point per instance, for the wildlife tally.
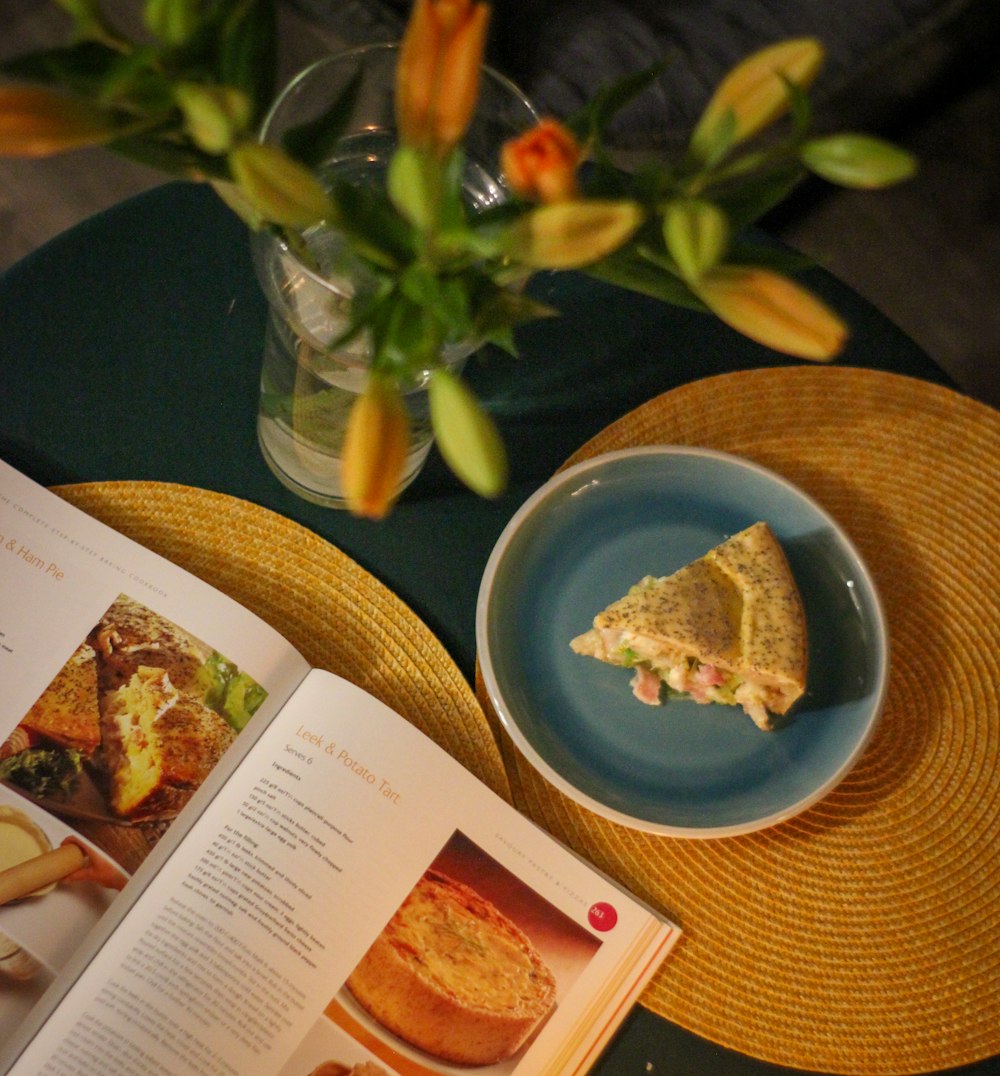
(216, 860)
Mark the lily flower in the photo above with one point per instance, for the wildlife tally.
(279, 188)
(541, 164)
(466, 435)
(755, 93)
(375, 447)
(570, 235)
(772, 310)
(215, 116)
(37, 122)
(696, 234)
(859, 161)
(437, 78)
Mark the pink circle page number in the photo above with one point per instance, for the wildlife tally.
(602, 916)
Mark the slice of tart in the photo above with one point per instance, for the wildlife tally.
(727, 628)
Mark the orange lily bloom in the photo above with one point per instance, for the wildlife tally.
(36, 122)
(375, 448)
(541, 164)
(772, 310)
(437, 79)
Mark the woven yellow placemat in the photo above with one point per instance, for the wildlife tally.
(862, 936)
(336, 614)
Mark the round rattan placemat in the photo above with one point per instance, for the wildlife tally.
(337, 615)
(862, 936)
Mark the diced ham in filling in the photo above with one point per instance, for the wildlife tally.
(703, 684)
(646, 686)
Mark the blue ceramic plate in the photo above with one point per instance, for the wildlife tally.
(680, 769)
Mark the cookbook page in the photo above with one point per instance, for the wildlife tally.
(123, 681)
(354, 897)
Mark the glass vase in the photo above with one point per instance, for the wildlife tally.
(308, 381)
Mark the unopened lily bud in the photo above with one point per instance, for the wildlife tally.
(772, 310)
(541, 164)
(37, 122)
(754, 93)
(696, 234)
(172, 21)
(569, 235)
(466, 435)
(375, 448)
(858, 160)
(278, 187)
(213, 115)
(437, 78)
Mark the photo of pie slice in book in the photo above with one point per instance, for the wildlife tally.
(727, 628)
(131, 724)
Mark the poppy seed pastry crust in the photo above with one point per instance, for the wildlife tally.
(729, 627)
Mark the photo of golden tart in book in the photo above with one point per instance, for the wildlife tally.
(727, 628)
(453, 976)
(132, 723)
(338, 1068)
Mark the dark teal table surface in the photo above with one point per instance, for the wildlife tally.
(130, 349)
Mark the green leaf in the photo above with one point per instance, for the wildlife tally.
(409, 337)
(134, 82)
(248, 51)
(799, 105)
(313, 142)
(778, 258)
(446, 297)
(373, 227)
(641, 270)
(593, 119)
(175, 158)
(747, 201)
(500, 310)
(89, 21)
(485, 235)
(858, 160)
(81, 68)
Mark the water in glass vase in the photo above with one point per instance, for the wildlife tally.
(308, 386)
(305, 400)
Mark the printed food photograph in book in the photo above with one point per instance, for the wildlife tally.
(31, 952)
(130, 726)
(466, 972)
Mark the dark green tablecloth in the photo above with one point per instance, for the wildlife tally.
(130, 349)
